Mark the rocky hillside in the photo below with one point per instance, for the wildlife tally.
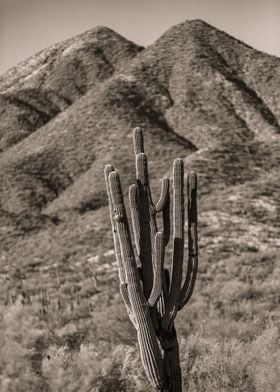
(38, 89)
(199, 94)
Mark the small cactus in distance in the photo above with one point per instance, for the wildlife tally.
(152, 294)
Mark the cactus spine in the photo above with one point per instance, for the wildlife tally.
(151, 295)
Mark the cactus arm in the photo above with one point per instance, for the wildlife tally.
(157, 281)
(146, 233)
(187, 289)
(142, 172)
(166, 283)
(123, 286)
(149, 347)
(164, 194)
(178, 244)
(138, 140)
(142, 169)
(134, 210)
(109, 169)
(163, 205)
(145, 198)
(121, 222)
(166, 224)
(186, 294)
(166, 221)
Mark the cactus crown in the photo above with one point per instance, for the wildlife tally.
(151, 293)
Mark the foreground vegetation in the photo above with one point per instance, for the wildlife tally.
(61, 340)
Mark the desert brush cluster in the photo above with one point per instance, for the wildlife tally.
(57, 343)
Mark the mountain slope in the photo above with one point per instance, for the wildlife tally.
(198, 93)
(43, 86)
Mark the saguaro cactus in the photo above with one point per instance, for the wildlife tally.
(152, 295)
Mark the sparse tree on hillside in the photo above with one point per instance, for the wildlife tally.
(152, 295)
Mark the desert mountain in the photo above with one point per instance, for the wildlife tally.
(40, 88)
(199, 94)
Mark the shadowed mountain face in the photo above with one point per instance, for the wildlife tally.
(199, 94)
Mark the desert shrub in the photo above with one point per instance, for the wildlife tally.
(17, 336)
(223, 355)
(265, 353)
(230, 365)
(86, 370)
(122, 371)
(68, 370)
(215, 366)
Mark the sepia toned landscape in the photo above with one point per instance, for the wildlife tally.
(65, 113)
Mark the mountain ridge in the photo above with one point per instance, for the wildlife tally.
(33, 94)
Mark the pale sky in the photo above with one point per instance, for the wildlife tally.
(27, 26)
